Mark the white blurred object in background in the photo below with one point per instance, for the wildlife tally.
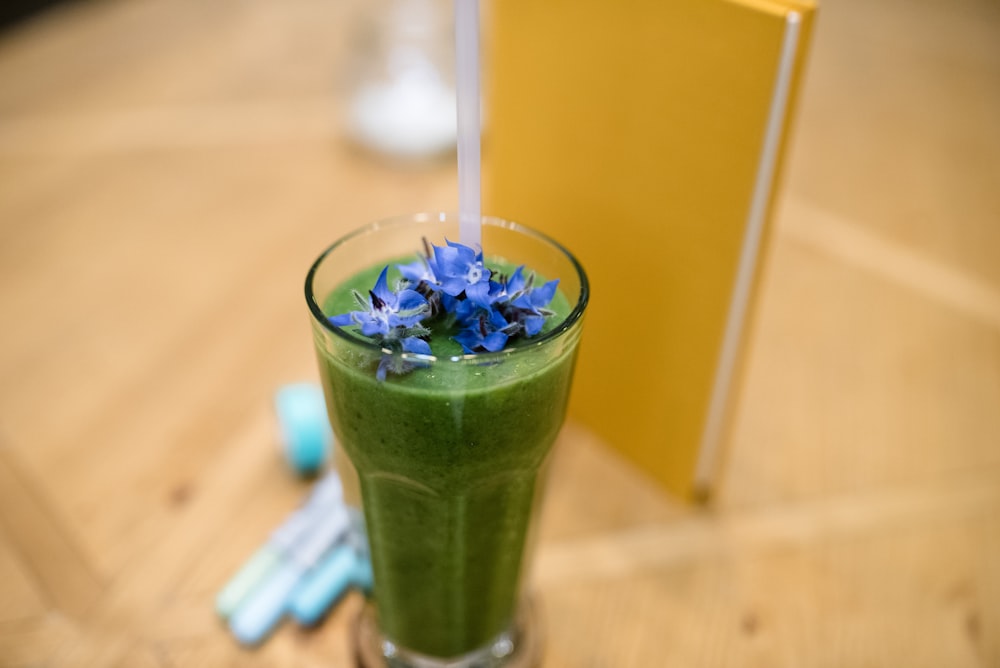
(401, 98)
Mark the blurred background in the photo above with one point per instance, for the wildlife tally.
(169, 170)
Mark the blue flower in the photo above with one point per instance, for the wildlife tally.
(450, 282)
(385, 311)
(522, 293)
(413, 344)
(536, 299)
(419, 271)
(531, 308)
(487, 331)
(460, 269)
(391, 362)
(522, 304)
(513, 286)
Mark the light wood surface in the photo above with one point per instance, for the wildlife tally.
(168, 169)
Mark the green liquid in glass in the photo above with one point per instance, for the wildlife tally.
(449, 459)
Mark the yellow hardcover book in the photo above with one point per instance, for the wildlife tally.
(646, 135)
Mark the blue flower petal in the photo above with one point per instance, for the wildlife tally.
(464, 310)
(407, 300)
(381, 288)
(468, 339)
(497, 321)
(449, 262)
(497, 291)
(412, 344)
(453, 285)
(541, 296)
(533, 324)
(467, 253)
(515, 282)
(494, 341)
(341, 320)
(449, 302)
(373, 327)
(479, 294)
(417, 271)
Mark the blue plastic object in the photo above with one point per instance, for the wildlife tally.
(241, 586)
(324, 585)
(257, 617)
(263, 609)
(304, 425)
(326, 495)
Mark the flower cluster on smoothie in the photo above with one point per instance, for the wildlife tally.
(448, 288)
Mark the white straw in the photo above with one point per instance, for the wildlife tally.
(467, 90)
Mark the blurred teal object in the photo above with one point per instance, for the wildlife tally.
(262, 610)
(256, 570)
(324, 585)
(253, 621)
(256, 598)
(305, 427)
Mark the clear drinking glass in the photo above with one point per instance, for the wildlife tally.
(399, 78)
(449, 457)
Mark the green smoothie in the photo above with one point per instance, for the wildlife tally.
(449, 458)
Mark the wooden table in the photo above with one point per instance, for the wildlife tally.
(168, 169)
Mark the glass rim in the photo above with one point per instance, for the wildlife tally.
(484, 357)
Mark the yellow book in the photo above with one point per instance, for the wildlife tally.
(646, 135)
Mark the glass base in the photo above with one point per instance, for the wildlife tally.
(518, 647)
